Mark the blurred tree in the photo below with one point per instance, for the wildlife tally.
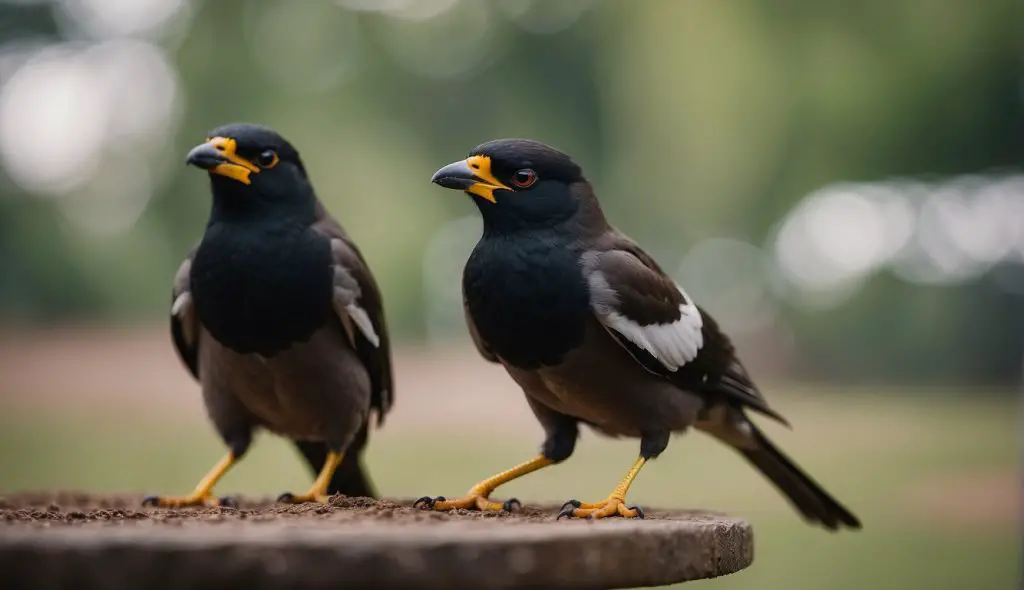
(694, 119)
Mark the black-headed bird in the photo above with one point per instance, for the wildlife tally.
(277, 315)
(596, 333)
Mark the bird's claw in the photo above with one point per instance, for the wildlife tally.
(613, 506)
(474, 500)
(427, 503)
(182, 501)
(567, 509)
(312, 496)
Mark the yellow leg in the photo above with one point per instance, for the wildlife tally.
(203, 494)
(317, 493)
(612, 505)
(478, 495)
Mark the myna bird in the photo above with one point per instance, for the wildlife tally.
(277, 315)
(596, 333)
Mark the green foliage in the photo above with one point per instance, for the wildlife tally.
(694, 119)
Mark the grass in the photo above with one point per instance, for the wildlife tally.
(886, 457)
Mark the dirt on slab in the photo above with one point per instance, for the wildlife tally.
(80, 509)
(84, 509)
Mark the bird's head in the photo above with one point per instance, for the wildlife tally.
(251, 166)
(520, 184)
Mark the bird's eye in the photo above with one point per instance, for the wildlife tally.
(267, 159)
(524, 178)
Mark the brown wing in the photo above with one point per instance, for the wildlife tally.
(184, 322)
(650, 316)
(360, 310)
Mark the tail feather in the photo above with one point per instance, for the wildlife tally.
(350, 478)
(805, 494)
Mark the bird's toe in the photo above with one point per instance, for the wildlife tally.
(631, 511)
(471, 501)
(612, 506)
(311, 496)
(197, 498)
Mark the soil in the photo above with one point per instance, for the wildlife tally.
(81, 509)
(78, 540)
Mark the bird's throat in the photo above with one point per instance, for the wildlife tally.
(527, 298)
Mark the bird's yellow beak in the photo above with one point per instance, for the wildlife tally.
(472, 175)
(218, 156)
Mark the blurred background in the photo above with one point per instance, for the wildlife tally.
(840, 183)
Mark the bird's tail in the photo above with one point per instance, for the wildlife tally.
(805, 494)
(350, 478)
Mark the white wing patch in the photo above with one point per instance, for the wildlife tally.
(362, 321)
(346, 304)
(182, 304)
(182, 309)
(673, 344)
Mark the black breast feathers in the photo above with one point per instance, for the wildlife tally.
(527, 298)
(262, 289)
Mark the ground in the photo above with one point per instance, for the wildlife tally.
(933, 475)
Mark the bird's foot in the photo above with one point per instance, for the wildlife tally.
(193, 499)
(476, 499)
(317, 493)
(612, 506)
(313, 495)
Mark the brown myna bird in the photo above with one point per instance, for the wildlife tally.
(277, 315)
(596, 333)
